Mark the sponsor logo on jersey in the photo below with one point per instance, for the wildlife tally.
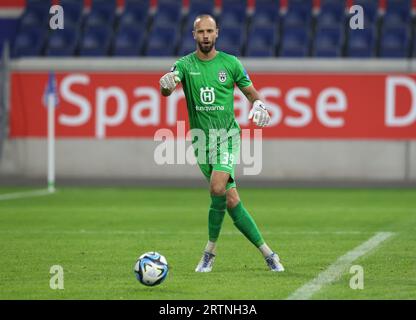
(222, 76)
(207, 95)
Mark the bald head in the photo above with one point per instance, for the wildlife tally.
(205, 18)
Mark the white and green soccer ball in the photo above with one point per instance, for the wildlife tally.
(151, 268)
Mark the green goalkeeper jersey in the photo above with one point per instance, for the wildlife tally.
(209, 90)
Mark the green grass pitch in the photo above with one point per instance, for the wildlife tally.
(96, 234)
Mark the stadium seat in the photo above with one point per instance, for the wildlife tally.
(231, 40)
(414, 45)
(96, 41)
(129, 41)
(197, 7)
(361, 43)
(44, 4)
(370, 8)
(300, 5)
(328, 20)
(403, 6)
(233, 14)
(167, 17)
(36, 14)
(29, 42)
(328, 43)
(162, 41)
(298, 15)
(72, 11)
(136, 12)
(102, 13)
(187, 46)
(262, 41)
(266, 14)
(394, 43)
(331, 14)
(396, 20)
(295, 43)
(62, 42)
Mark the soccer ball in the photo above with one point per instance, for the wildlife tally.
(151, 268)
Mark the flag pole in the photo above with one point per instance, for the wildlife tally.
(51, 104)
(51, 142)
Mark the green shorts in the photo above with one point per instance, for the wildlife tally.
(221, 158)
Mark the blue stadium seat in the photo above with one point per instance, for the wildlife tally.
(44, 4)
(231, 40)
(370, 8)
(396, 19)
(162, 41)
(262, 42)
(62, 42)
(414, 45)
(129, 41)
(72, 11)
(328, 20)
(361, 43)
(96, 41)
(8, 30)
(266, 13)
(197, 7)
(295, 43)
(187, 45)
(102, 13)
(233, 14)
(298, 15)
(395, 43)
(168, 13)
(135, 13)
(402, 6)
(29, 41)
(328, 43)
(300, 5)
(334, 8)
(230, 48)
(170, 8)
(36, 14)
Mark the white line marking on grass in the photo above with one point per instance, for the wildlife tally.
(26, 194)
(165, 232)
(335, 270)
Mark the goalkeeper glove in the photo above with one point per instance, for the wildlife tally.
(170, 80)
(259, 114)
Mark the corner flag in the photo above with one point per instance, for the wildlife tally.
(51, 102)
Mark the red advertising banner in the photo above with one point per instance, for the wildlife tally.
(118, 104)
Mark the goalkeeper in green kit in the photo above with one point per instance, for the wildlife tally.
(208, 77)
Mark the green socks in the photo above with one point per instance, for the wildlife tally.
(216, 216)
(241, 218)
(245, 223)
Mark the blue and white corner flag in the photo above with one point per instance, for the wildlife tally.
(51, 90)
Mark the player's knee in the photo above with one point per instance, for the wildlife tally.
(217, 189)
(232, 201)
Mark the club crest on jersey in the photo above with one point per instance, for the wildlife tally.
(222, 76)
(207, 95)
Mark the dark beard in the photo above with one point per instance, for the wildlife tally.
(206, 49)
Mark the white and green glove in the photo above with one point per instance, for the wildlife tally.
(259, 114)
(170, 80)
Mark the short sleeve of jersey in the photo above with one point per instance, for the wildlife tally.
(241, 77)
(179, 66)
